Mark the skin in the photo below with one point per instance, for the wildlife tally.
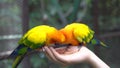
(63, 56)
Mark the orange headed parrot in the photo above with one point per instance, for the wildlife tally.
(79, 33)
(36, 38)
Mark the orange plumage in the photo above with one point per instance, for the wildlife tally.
(56, 37)
(69, 37)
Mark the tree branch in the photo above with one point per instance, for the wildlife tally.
(4, 55)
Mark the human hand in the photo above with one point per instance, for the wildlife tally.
(70, 55)
(73, 55)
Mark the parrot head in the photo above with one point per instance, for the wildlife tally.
(56, 37)
(67, 31)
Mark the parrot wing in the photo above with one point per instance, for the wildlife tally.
(81, 32)
(35, 38)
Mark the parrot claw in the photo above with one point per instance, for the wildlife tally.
(79, 48)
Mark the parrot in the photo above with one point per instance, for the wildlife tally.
(36, 38)
(79, 34)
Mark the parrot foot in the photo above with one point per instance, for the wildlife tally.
(79, 48)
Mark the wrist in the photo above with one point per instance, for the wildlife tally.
(96, 62)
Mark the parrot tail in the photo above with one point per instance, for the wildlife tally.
(95, 41)
(19, 54)
(103, 44)
(16, 52)
(17, 61)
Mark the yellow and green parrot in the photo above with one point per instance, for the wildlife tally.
(79, 34)
(36, 38)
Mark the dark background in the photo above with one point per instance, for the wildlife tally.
(17, 16)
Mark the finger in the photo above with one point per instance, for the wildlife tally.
(70, 58)
(49, 53)
(51, 56)
(76, 57)
(59, 57)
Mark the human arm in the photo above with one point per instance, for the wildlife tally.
(75, 56)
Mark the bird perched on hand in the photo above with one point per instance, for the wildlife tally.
(79, 34)
(36, 38)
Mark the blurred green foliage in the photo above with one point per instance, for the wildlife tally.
(58, 13)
